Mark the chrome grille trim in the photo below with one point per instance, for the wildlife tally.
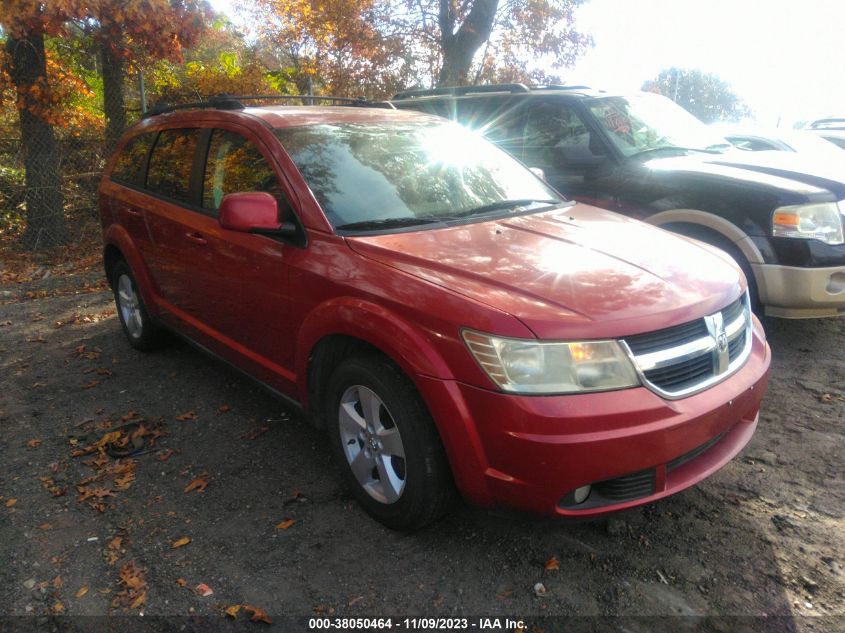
(718, 344)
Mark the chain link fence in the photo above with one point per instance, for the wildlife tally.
(48, 194)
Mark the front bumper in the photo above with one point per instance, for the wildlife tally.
(531, 453)
(793, 292)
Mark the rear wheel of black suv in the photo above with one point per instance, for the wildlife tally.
(386, 444)
(141, 331)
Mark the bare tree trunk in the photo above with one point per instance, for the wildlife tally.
(45, 222)
(113, 102)
(460, 46)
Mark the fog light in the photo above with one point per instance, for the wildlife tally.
(580, 495)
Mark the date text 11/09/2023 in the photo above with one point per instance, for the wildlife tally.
(416, 624)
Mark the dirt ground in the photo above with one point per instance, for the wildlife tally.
(264, 523)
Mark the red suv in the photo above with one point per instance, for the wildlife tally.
(442, 312)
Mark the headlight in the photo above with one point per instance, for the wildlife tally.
(530, 366)
(809, 221)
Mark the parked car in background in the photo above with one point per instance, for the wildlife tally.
(832, 130)
(761, 139)
(777, 214)
(435, 306)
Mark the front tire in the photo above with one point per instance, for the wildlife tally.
(140, 330)
(386, 444)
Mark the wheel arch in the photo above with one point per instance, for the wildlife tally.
(706, 223)
(119, 245)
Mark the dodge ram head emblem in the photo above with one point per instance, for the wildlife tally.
(721, 355)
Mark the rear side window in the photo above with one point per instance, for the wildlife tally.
(171, 164)
(130, 164)
(236, 165)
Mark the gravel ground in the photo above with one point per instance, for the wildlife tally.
(758, 546)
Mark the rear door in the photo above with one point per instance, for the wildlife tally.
(178, 258)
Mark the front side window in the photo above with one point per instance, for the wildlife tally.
(235, 165)
(171, 164)
(555, 135)
(130, 164)
(394, 174)
(646, 124)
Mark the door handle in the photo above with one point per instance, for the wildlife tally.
(134, 213)
(196, 237)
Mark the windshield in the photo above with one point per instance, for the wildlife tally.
(369, 176)
(648, 123)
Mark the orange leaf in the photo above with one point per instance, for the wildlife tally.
(82, 591)
(258, 615)
(199, 484)
(181, 582)
(181, 542)
(91, 385)
(34, 443)
(284, 525)
(232, 611)
(552, 564)
(223, 408)
(188, 415)
(11, 502)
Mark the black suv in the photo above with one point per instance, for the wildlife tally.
(778, 215)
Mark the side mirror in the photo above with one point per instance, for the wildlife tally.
(538, 172)
(253, 212)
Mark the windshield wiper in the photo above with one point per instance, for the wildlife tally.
(503, 204)
(386, 223)
(665, 148)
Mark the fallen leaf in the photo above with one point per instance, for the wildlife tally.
(45, 527)
(188, 415)
(199, 484)
(181, 542)
(11, 502)
(203, 590)
(258, 615)
(284, 525)
(33, 443)
(58, 582)
(255, 433)
(552, 564)
(181, 582)
(232, 611)
(82, 591)
(91, 385)
(165, 455)
(36, 385)
(223, 408)
(58, 608)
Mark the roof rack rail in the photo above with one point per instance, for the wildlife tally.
(235, 102)
(559, 87)
(461, 90)
(836, 123)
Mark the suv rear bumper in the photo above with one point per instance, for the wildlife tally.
(530, 453)
(793, 292)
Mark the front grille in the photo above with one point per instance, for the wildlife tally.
(679, 361)
(625, 488)
(682, 374)
(670, 337)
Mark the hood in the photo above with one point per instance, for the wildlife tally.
(813, 176)
(575, 272)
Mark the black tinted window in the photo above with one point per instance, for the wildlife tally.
(555, 135)
(130, 164)
(235, 165)
(170, 165)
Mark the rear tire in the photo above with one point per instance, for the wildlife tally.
(140, 330)
(386, 444)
